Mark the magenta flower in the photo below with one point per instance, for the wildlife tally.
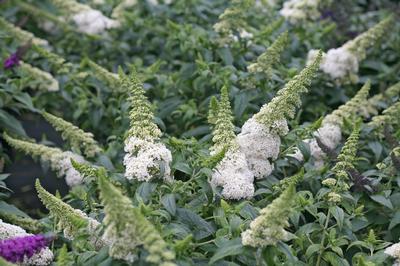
(12, 61)
(17, 248)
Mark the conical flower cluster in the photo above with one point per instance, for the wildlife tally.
(19, 34)
(330, 133)
(127, 229)
(59, 161)
(31, 225)
(88, 20)
(389, 117)
(40, 257)
(345, 162)
(77, 138)
(70, 220)
(296, 11)
(342, 63)
(260, 136)
(232, 172)
(269, 227)
(271, 56)
(43, 81)
(57, 62)
(102, 74)
(386, 98)
(146, 157)
(233, 22)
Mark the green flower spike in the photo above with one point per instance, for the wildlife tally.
(129, 229)
(223, 133)
(19, 34)
(71, 220)
(361, 43)
(77, 138)
(350, 108)
(27, 223)
(374, 104)
(111, 79)
(284, 104)
(269, 227)
(141, 114)
(271, 56)
(389, 117)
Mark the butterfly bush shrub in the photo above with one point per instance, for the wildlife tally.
(245, 132)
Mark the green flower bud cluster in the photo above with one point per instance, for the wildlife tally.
(129, 229)
(77, 138)
(269, 227)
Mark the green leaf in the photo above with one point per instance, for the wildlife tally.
(313, 249)
(230, 248)
(168, 201)
(199, 226)
(395, 220)
(382, 200)
(338, 214)
(226, 55)
(9, 122)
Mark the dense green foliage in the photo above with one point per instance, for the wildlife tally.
(184, 76)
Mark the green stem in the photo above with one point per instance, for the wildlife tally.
(328, 216)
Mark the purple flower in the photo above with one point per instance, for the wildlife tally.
(17, 248)
(12, 61)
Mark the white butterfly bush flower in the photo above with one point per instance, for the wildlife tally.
(146, 156)
(143, 159)
(394, 251)
(59, 161)
(260, 144)
(232, 173)
(330, 133)
(87, 19)
(342, 63)
(260, 137)
(296, 11)
(93, 21)
(43, 257)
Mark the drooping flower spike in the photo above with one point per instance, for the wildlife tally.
(330, 133)
(18, 249)
(146, 157)
(29, 224)
(40, 257)
(43, 81)
(88, 20)
(19, 34)
(102, 74)
(259, 139)
(77, 138)
(70, 220)
(232, 172)
(59, 161)
(129, 229)
(341, 64)
(269, 227)
(389, 117)
(386, 98)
